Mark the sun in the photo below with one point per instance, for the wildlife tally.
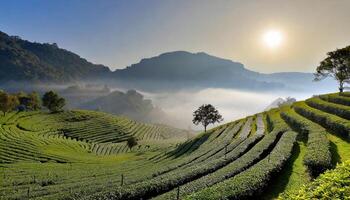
(273, 38)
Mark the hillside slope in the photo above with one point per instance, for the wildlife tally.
(263, 156)
(21, 60)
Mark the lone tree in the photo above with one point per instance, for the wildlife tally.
(8, 102)
(53, 102)
(206, 114)
(131, 142)
(336, 65)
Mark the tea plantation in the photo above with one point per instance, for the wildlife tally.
(291, 152)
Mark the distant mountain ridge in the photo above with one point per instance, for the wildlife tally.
(181, 69)
(21, 60)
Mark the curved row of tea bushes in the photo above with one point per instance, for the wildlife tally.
(318, 157)
(172, 179)
(253, 180)
(254, 155)
(332, 122)
(336, 98)
(333, 108)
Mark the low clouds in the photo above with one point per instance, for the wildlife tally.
(232, 104)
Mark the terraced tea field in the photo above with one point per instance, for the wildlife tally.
(83, 155)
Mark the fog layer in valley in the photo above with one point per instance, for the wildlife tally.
(232, 104)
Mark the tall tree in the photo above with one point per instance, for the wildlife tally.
(336, 65)
(206, 114)
(53, 102)
(131, 142)
(8, 102)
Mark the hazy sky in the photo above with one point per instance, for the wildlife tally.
(119, 33)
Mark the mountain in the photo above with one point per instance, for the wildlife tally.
(183, 70)
(21, 60)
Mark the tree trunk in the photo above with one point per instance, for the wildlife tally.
(341, 86)
(205, 129)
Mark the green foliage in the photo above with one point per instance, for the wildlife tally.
(336, 98)
(336, 65)
(243, 160)
(333, 184)
(206, 114)
(30, 101)
(8, 102)
(254, 179)
(259, 151)
(22, 60)
(131, 142)
(336, 109)
(84, 155)
(53, 102)
(174, 178)
(318, 156)
(332, 122)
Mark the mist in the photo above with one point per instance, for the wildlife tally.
(232, 104)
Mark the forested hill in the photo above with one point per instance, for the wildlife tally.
(185, 69)
(21, 60)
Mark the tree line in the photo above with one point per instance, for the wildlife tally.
(22, 101)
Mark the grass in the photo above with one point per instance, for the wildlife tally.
(340, 147)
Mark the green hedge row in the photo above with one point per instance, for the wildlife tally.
(345, 94)
(172, 179)
(336, 109)
(336, 98)
(318, 156)
(214, 149)
(258, 152)
(332, 122)
(252, 181)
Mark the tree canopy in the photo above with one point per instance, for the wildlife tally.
(53, 102)
(336, 65)
(131, 142)
(8, 102)
(206, 114)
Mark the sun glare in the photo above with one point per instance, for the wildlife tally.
(273, 38)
